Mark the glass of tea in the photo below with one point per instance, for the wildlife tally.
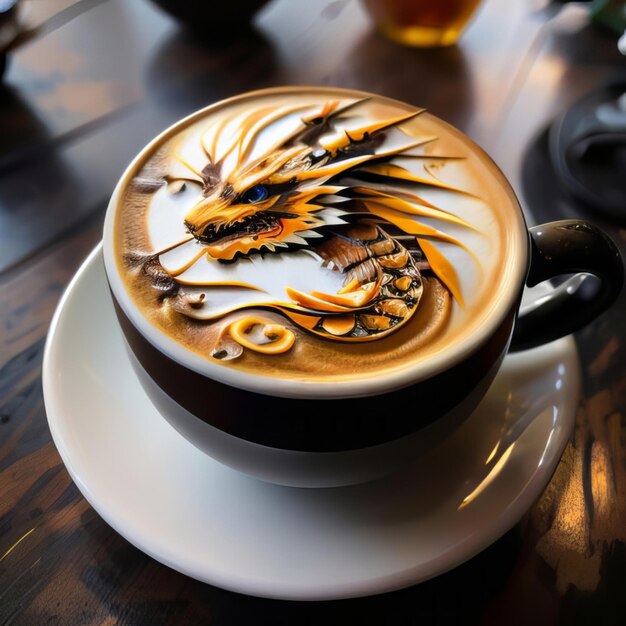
(422, 23)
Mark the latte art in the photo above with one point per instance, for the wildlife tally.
(322, 198)
(300, 224)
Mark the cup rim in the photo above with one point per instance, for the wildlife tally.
(373, 384)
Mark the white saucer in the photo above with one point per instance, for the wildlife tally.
(214, 524)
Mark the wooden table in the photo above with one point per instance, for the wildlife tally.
(84, 96)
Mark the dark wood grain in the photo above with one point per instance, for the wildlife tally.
(74, 110)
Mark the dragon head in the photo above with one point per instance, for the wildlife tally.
(279, 198)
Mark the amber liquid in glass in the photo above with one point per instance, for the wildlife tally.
(423, 23)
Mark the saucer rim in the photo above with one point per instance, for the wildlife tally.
(513, 511)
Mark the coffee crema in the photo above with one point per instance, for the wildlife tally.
(313, 234)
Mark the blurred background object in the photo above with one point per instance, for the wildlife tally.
(212, 17)
(610, 13)
(422, 23)
(587, 142)
(9, 29)
(588, 149)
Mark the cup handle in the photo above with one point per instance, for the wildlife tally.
(565, 247)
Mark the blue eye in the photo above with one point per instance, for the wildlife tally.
(255, 194)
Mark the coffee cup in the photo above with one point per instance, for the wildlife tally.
(316, 284)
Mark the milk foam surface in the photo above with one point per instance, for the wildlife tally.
(247, 207)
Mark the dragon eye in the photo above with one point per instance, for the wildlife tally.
(255, 194)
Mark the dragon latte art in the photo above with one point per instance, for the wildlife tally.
(320, 220)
